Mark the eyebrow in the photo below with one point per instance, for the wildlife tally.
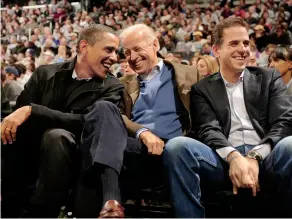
(237, 41)
(111, 48)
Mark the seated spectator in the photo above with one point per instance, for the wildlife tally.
(60, 15)
(207, 65)
(281, 59)
(280, 37)
(198, 41)
(9, 82)
(253, 56)
(261, 37)
(49, 121)
(207, 49)
(242, 119)
(263, 60)
(48, 57)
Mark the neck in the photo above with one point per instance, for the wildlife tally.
(231, 77)
(82, 70)
(287, 77)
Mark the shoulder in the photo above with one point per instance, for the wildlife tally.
(112, 79)
(268, 75)
(49, 70)
(180, 67)
(126, 78)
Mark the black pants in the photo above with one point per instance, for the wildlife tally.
(105, 141)
(49, 157)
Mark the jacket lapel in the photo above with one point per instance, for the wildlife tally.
(133, 88)
(217, 91)
(251, 89)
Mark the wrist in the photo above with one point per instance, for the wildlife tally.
(28, 110)
(143, 133)
(232, 156)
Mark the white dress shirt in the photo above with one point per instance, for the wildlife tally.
(242, 131)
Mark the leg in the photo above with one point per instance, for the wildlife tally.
(278, 165)
(104, 136)
(19, 169)
(189, 164)
(103, 142)
(59, 163)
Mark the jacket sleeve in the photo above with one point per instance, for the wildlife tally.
(279, 111)
(205, 124)
(32, 94)
(125, 109)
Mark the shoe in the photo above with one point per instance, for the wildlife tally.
(112, 209)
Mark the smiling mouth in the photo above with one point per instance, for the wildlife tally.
(240, 58)
(106, 65)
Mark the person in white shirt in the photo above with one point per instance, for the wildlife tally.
(242, 120)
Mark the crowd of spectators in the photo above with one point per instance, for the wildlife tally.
(33, 37)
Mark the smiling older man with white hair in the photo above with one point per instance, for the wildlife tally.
(158, 98)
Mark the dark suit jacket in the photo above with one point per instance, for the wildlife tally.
(45, 92)
(185, 77)
(266, 100)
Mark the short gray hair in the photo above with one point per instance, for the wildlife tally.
(148, 31)
(94, 33)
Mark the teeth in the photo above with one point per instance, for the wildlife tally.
(106, 65)
(239, 58)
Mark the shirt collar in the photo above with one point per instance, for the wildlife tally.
(156, 70)
(74, 76)
(289, 83)
(230, 84)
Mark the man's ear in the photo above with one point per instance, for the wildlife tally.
(83, 46)
(156, 45)
(216, 52)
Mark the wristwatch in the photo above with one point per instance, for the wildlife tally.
(254, 155)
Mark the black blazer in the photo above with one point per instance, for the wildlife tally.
(46, 89)
(267, 103)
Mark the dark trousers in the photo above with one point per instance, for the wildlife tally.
(105, 141)
(39, 162)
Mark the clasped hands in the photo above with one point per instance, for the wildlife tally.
(243, 172)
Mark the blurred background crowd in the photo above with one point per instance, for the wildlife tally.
(33, 36)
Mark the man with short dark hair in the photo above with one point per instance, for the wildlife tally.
(243, 118)
(10, 86)
(49, 120)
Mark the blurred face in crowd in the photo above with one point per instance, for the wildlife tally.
(252, 59)
(141, 52)
(202, 68)
(101, 55)
(234, 52)
(48, 58)
(281, 65)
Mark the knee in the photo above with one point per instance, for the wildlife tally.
(180, 147)
(52, 141)
(103, 105)
(284, 147)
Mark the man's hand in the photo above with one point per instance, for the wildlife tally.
(255, 171)
(154, 144)
(243, 172)
(10, 124)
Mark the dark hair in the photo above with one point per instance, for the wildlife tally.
(217, 34)
(281, 53)
(93, 33)
(20, 68)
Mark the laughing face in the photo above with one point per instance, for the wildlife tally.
(140, 52)
(234, 52)
(102, 55)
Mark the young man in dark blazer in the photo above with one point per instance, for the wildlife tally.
(242, 117)
(49, 120)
